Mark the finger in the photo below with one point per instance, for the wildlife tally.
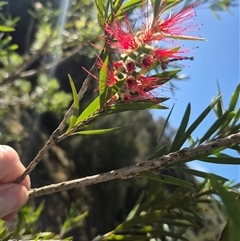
(11, 167)
(13, 197)
(10, 216)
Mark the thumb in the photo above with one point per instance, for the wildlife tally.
(12, 198)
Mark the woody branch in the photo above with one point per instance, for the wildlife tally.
(134, 170)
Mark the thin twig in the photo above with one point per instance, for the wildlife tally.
(134, 170)
(26, 63)
(54, 137)
(33, 72)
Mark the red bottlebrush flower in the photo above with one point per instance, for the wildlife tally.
(165, 54)
(175, 26)
(130, 65)
(148, 82)
(146, 61)
(119, 38)
(119, 66)
(131, 84)
(112, 79)
(133, 90)
(138, 88)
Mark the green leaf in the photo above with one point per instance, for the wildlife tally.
(228, 161)
(168, 179)
(232, 206)
(196, 123)
(152, 198)
(7, 236)
(75, 104)
(157, 7)
(235, 129)
(116, 5)
(199, 173)
(143, 218)
(236, 117)
(135, 105)
(162, 132)
(167, 75)
(181, 130)
(161, 151)
(163, 233)
(171, 4)
(234, 99)
(126, 237)
(90, 111)
(219, 107)
(101, 131)
(236, 148)
(13, 47)
(100, 12)
(135, 210)
(4, 28)
(103, 76)
(230, 232)
(225, 124)
(215, 126)
(127, 7)
(191, 211)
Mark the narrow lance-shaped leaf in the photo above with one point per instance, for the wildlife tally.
(161, 151)
(215, 126)
(167, 75)
(135, 105)
(221, 160)
(100, 13)
(4, 28)
(137, 220)
(74, 117)
(171, 201)
(13, 47)
(198, 173)
(156, 8)
(163, 131)
(181, 130)
(219, 107)
(232, 206)
(116, 5)
(234, 99)
(135, 210)
(168, 179)
(236, 117)
(89, 110)
(196, 123)
(170, 5)
(226, 123)
(128, 7)
(152, 197)
(103, 75)
(101, 131)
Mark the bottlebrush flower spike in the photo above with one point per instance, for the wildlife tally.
(119, 38)
(139, 87)
(137, 53)
(164, 56)
(177, 25)
(112, 79)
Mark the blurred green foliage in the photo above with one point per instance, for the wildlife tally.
(36, 55)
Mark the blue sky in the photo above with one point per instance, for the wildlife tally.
(217, 59)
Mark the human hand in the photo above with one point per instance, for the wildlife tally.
(12, 195)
